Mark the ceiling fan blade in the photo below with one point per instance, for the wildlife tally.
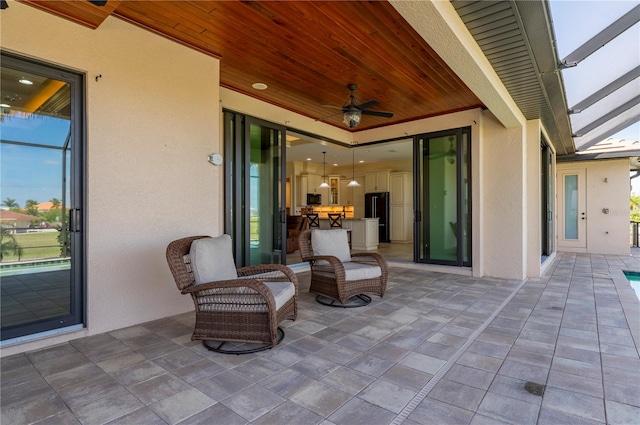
(328, 116)
(377, 113)
(342, 108)
(368, 104)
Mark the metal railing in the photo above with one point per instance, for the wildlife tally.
(634, 234)
(33, 244)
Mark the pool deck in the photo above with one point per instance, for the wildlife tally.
(438, 348)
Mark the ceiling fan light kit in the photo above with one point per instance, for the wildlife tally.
(352, 118)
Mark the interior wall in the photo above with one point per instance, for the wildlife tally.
(152, 119)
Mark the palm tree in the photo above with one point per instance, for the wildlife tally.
(8, 244)
(55, 203)
(10, 203)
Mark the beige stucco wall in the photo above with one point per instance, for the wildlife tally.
(607, 186)
(504, 201)
(152, 119)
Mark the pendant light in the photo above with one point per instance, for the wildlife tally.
(324, 183)
(353, 182)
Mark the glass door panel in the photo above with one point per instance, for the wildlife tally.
(442, 194)
(574, 220)
(266, 201)
(255, 188)
(41, 273)
(441, 199)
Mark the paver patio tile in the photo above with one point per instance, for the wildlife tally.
(619, 414)
(514, 388)
(32, 410)
(508, 409)
(144, 415)
(289, 413)
(557, 417)
(437, 412)
(523, 371)
(460, 395)
(253, 402)
(407, 377)
(321, 398)
(182, 405)
(199, 371)
(223, 385)
(113, 406)
(477, 378)
(573, 403)
(422, 363)
(387, 395)
(480, 361)
(220, 412)
(287, 383)
(622, 393)
(580, 384)
(360, 412)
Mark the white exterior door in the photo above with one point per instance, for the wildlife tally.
(572, 233)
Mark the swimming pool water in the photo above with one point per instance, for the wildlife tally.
(634, 280)
(34, 267)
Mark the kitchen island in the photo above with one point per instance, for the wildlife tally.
(364, 234)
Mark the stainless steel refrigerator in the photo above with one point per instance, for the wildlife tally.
(376, 205)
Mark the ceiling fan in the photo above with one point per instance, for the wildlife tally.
(352, 111)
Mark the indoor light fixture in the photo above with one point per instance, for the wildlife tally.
(352, 117)
(353, 182)
(324, 183)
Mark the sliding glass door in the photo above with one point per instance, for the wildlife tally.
(41, 151)
(443, 201)
(255, 189)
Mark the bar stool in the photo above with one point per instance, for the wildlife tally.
(314, 220)
(335, 220)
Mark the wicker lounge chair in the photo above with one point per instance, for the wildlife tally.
(338, 277)
(243, 306)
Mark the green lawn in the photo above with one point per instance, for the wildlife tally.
(36, 245)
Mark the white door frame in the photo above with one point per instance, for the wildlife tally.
(572, 211)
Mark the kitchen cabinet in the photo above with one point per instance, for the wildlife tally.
(401, 209)
(302, 188)
(314, 183)
(377, 181)
(351, 195)
(333, 191)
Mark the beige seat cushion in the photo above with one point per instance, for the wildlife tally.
(282, 292)
(212, 259)
(331, 242)
(358, 271)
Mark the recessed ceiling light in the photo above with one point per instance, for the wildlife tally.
(259, 86)
(25, 81)
(335, 165)
(308, 159)
(4, 105)
(361, 161)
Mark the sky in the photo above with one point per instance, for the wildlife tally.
(30, 173)
(574, 23)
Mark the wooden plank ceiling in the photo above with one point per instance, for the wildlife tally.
(305, 51)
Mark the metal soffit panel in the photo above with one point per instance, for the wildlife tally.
(500, 32)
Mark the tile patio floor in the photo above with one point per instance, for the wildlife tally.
(438, 348)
